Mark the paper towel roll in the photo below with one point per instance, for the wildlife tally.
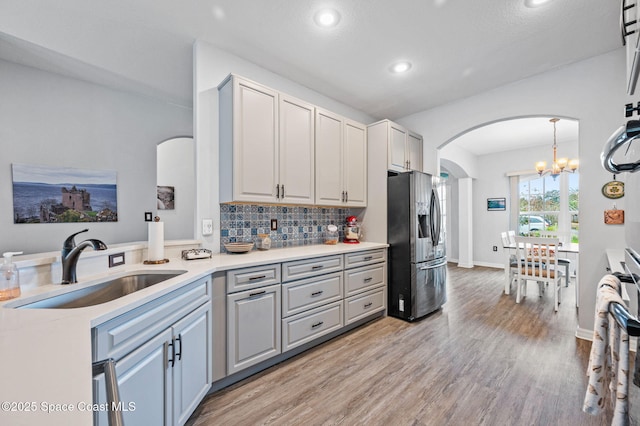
(156, 241)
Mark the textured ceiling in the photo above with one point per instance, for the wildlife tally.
(458, 48)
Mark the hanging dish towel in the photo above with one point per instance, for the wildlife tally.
(609, 360)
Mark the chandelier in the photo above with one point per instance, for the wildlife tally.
(559, 164)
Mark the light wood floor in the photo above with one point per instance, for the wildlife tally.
(480, 360)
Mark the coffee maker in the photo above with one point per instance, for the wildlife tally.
(352, 231)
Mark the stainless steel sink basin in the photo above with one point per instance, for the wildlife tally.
(105, 291)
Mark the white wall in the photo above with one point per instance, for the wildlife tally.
(212, 65)
(176, 168)
(53, 120)
(592, 91)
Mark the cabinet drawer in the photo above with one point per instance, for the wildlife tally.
(302, 328)
(311, 267)
(358, 307)
(362, 258)
(248, 278)
(298, 296)
(119, 336)
(365, 278)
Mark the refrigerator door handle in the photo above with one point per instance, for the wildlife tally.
(434, 213)
(433, 266)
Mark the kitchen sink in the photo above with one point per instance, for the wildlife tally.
(105, 291)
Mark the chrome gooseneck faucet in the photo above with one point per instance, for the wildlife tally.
(71, 254)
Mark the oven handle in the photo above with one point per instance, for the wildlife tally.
(433, 266)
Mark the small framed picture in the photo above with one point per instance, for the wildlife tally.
(495, 204)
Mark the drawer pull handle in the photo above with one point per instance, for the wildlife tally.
(318, 324)
(367, 258)
(257, 278)
(317, 293)
(366, 280)
(317, 267)
(368, 305)
(257, 293)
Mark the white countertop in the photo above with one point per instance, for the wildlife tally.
(45, 354)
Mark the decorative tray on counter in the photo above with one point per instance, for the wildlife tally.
(199, 253)
(238, 247)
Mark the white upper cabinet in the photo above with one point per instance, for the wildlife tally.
(404, 148)
(266, 145)
(355, 163)
(329, 187)
(414, 151)
(341, 161)
(297, 172)
(397, 159)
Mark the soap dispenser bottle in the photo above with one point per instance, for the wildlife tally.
(9, 277)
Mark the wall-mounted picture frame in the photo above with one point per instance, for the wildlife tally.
(55, 194)
(496, 204)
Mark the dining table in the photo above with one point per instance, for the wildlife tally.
(564, 251)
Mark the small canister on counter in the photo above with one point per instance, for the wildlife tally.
(263, 242)
(331, 235)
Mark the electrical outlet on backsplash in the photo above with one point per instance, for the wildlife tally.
(297, 225)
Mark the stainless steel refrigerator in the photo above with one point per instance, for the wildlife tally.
(417, 255)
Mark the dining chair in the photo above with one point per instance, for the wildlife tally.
(566, 263)
(536, 259)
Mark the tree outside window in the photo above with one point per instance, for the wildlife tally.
(549, 207)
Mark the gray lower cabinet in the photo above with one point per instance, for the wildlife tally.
(311, 299)
(253, 327)
(161, 379)
(274, 308)
(365, 280)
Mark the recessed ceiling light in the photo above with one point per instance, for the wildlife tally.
(327, 18)
(400, 67)
(535, 3)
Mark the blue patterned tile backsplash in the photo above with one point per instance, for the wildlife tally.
(297, 226)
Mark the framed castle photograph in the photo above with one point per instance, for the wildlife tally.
(49, 194)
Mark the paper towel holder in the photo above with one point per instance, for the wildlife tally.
(155, 262)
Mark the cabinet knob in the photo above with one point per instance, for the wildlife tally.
(282, 191)
(368, 305)
(278, 191)
(317, 293)
(316, 325)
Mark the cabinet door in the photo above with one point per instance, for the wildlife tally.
(414, 151)
(396, 149)
(329, 187)
(144, 380)
(297, 172)
(255, 142)
(192, 369)
(253, 327)
(355, 163)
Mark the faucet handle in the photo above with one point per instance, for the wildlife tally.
(70, 243)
